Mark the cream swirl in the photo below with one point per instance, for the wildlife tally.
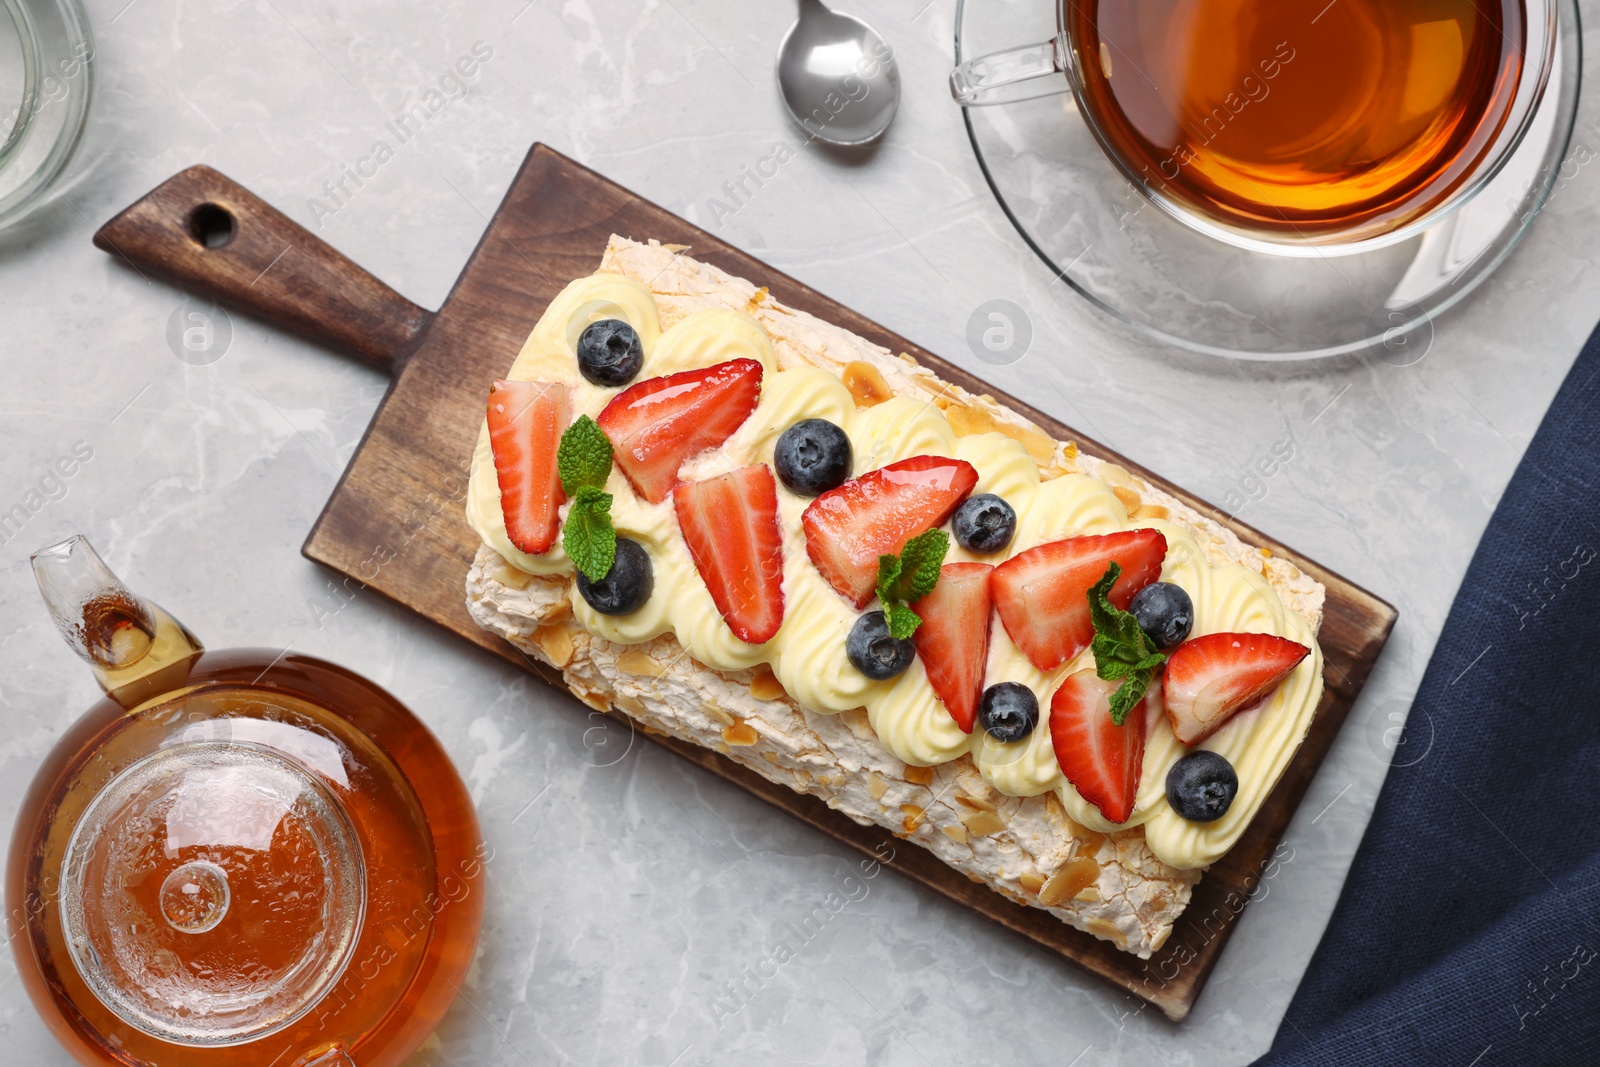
(807, 654)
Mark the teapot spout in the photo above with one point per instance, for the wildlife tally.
(135, 649)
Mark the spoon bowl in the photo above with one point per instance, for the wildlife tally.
(837, 76)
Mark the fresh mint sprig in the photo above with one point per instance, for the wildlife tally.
(584, 456)
(583, 460)
(1121, 648)
(908, 576)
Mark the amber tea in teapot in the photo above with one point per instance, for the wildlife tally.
(238, 857)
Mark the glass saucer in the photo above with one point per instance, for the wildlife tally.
(1100, 236)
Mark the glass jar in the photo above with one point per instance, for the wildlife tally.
(46, 83)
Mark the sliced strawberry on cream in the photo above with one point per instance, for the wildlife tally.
(1207, 679)
(848, 528)
(1042, 592)
(658, 424)
(526, 420)
(1102, 760)
(730, 524)
(953, 640)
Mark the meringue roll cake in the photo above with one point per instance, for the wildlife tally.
(755, 531)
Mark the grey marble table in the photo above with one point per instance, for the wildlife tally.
(625, 896)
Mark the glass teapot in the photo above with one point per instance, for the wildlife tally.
(238, 857)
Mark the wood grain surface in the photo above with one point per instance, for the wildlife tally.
(395, 523)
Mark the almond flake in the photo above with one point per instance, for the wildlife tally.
(1088, 841)
(765, 685)
(1068, 880)
(741, 734)
(1038, 444)
(1112, 474)
(556, 644)
(640, 664)
(512, 577)
(969, 419)
(983, 823)
(866, 384)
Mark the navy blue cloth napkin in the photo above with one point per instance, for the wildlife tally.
(1468, 932)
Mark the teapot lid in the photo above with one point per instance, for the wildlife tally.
(213, 892)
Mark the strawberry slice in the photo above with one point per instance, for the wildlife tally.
(657, 424)
(526, 421)
(953, 640)
(1209, 678)
(730, 524)
(1102, 760)
(1043, 593)
(848, 528)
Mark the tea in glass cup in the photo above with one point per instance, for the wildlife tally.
(1298, 126)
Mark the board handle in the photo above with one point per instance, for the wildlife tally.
(213, 236)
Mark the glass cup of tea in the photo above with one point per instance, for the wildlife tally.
(1326, 127)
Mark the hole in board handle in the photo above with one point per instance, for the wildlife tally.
(211, 225)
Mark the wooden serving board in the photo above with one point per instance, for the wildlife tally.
(395, 521)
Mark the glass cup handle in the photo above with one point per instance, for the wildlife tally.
(1000, 77)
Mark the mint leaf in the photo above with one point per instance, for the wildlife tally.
(583, 459)
(588, 537)
(1111, 669)
(1118, 631)
(888, 578)
(584, 456)
(903, 622)
(915, 571)
(1121, 649)
(909, 576)
(1126, 698)
(921, 559)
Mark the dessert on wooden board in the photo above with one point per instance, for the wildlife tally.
(753, 530)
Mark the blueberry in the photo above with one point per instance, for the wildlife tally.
(1165, 613)
(1008, 711)
(609, 352)
(626, 586)
(1201, 786)
(813, 456)
(872, 649)
(984, 523)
